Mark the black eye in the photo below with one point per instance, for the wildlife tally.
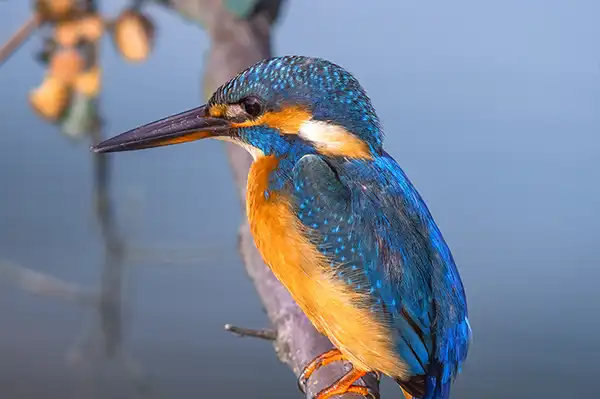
(253, 106)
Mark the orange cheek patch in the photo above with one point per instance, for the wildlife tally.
(217, 111)
(287, 120)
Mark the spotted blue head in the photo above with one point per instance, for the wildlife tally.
(273, 107)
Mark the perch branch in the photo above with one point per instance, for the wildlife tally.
(236, 44)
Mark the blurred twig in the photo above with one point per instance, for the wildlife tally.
(41, 284)
(237, 42)
(19, 37)
(104, 339)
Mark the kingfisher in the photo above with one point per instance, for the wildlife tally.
(337, 221)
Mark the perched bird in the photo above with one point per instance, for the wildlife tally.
(337, 221)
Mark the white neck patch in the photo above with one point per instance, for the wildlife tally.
(323, 134)
(333, 139)
(253, 151)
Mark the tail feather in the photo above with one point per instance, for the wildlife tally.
(426, 387)
(437, 389)
(415, 386)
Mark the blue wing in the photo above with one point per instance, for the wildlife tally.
(371, 223)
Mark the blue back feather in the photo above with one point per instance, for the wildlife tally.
(369, 220)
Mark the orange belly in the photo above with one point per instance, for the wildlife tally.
(338, 312)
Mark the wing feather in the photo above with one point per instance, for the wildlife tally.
(376, 236)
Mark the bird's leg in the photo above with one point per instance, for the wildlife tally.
(345, 385)
(341, 386)
(323, 359)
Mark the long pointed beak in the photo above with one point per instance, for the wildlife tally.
(191, 125)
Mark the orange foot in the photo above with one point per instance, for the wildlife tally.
(344, 385)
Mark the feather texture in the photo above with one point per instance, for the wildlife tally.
(362, 228)
(335, 308)
(336, 219)
(379, 238)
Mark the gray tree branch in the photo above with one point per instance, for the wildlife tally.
(236, 44)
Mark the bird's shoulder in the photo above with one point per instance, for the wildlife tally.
(362, 218)
(370, 222)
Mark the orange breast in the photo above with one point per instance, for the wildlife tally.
(335, 310)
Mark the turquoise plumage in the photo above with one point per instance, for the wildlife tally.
(369, 220)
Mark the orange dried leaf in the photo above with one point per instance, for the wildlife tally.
(50, 99)
(91, 27)
(66, 64)
(55, 9)
(66, 33)
(134, 35)
(89, 82)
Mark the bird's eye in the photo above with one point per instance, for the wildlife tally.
(253, 106)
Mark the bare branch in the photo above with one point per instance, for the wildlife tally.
(236, 44)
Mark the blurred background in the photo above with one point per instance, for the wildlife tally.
(117, 274)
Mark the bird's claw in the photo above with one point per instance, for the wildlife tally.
(323, 359)
(302, 381)
(305, 376)
(364, 391)
(344, 385)
(358, 389)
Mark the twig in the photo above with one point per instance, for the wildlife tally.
(19, 37)
(268, 335)
(104, 340)
(44, 285)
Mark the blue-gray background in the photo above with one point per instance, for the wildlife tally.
(491, 108)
